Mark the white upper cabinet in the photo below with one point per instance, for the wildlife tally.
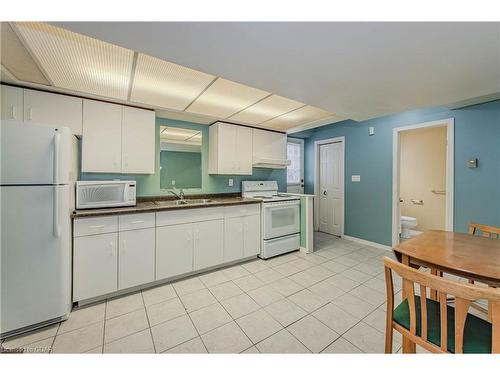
(269, 149)
(12, 103)
(101, 141)
(117, 139)
(230, 149)
(45, 108)
(138, 141)
(244, 150)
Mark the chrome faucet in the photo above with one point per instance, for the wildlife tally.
(180, 195)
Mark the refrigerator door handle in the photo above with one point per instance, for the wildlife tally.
(57, 145)
(57, 227)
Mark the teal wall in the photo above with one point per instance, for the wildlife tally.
(183, 167)
(368, 207)
(149, 185)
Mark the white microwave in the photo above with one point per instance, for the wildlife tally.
(100, 194)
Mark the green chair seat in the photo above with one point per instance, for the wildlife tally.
(477, 332)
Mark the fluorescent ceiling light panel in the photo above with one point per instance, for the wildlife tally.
(224, 98)
(164, 84)
(178, 133)
(266, 109)
(16, 59)
(77, 62)
(298, 117)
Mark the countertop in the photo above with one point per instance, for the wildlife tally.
(155, 204)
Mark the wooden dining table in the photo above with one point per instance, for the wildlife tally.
(461, 254)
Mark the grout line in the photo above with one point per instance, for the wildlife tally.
(190, 319)
(54, 339)
(104, 328)
(149, 323)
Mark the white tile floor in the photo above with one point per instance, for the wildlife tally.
(332, 301)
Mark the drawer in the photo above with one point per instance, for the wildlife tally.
(280, 245)
(242, 210)
(188, 215)
(136, 221)
(95, 225)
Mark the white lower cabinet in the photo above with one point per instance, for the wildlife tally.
(95, 260)
(118, 252)
(251, 235)
(208, 249)
(241, 237)
(233, 239)
(174, 250)
(136, 257)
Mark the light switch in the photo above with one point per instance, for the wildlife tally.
(230, 182)
(173, 182)
(371, 130)
(355, 178)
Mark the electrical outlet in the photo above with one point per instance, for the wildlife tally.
(230, 182)
(355, 178)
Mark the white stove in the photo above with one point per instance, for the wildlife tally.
(280, 223)
(267, 191)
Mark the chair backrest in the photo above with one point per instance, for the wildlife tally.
(464, 295)
(486, 230)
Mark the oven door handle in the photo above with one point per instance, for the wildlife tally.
(281, 204)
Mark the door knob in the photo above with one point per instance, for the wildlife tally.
(324, 192)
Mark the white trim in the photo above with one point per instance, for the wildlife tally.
(315, 124)
(450, 168)
(316, 178)
(299, 141)
(368, 243)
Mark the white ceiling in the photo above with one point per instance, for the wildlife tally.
(356, 70)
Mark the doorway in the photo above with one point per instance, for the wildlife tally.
(422, 178)
(329, 186)
(295, 171)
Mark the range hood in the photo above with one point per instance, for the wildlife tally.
(263, 162)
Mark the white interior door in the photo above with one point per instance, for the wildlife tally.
(331, 183)
(295, 171)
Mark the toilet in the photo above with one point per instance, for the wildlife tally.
(408, 222)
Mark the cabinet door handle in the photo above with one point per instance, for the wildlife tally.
(12, 112)
(96, 226)
(124, 243)
(137, 222)
(30, 114)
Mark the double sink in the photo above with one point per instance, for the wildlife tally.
(184, 202)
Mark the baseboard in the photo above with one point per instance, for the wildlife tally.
(369, 243)
(304, 250)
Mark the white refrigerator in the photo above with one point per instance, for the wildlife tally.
(35, 252)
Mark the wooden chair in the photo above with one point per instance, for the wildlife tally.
(434, 325)
(486, 230)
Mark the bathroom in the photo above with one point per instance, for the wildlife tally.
(423, 180)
